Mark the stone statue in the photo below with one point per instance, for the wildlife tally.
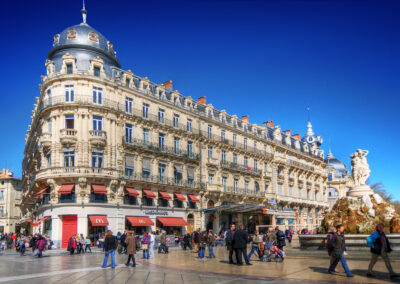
(360, 172)
(359, 167)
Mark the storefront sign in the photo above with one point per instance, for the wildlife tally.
(156, 212)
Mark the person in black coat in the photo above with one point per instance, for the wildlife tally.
(280, 238)
(229, 242)
(240, 240)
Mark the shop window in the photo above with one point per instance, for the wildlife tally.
(130, 200)
(163, 202)
(178, 203)
(280, 221)
(191, 205)
(98, 198)
(67, 198)
(147, 201)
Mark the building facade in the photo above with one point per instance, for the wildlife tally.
(110, 150)
(10, 199)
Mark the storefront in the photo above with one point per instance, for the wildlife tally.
(97, 226)
(172, 225)
(138, 224)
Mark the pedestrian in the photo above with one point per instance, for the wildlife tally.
(339, 247)
(32, 243)
(87, 244)
(255, 245)
(187, 242)
(130, 242)
(40, 245)
(380, 246)
(240, 240)
(110, 245)
(82, 242)
(289, 235)
(196, 239)
(163, 243)
(123, 243)
(78, 244)
(22, 241)
(145, 245)
(280, 238)
(270, 238)
(151, 245)
(329, 247)
(210, 244)
(72, 244)
(202, 244)
(230, 242)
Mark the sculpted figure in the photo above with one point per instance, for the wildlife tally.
(359, 166)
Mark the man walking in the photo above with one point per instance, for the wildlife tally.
(380, 246)
(240, 240)
(229, 242)
(280, 237)
(255, 246)
(339, 247)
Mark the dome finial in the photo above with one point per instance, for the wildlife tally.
(84, 12)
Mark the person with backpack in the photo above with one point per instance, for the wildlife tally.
(328, 244)
(380, 246)
(339, 247)
(289, 235)
(280, 237)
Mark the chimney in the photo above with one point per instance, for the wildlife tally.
(168, 84)
(288, 131)
(245, 118)
(269, 123)
(202, 100)
(297, 136)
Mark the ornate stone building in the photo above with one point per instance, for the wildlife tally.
(110, 150)
(10, 198)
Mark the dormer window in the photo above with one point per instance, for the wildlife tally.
(96, 71)
(127, 82)
(71, 34)
(69, 68)
(93, 37)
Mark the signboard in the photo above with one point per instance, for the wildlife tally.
(271, 201)
(156, 212)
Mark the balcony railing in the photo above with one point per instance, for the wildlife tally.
(159, 148)
(97, 133)
(241, 168)
(189, 183)
(68, 132)
(77, 171)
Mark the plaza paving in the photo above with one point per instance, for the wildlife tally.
(183, 267)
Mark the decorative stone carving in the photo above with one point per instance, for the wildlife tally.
(114, 185)
(360, 172)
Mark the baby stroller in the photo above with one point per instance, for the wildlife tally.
(272, 253)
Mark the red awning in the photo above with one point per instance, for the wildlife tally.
(43, 219)
(149, 193)
(264, 211)
(180, 197)
(99, 189)
(193, 198)
(41, 192)
(172, 222)
(98, 220)
(165, 195)
(140, 221)
(35, 224)
(131, 191)
(66, 188)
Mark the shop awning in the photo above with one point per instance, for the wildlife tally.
(131, 191)
(179, 196)
(41, 192)
(66, 188)
(172, 222)
(43, 219)
(149, 193)
(193, 198)
(98, 220)
(35, 224)
(140, 221)
(165, 195)
(99, 189)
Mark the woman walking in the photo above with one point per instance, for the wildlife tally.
(110, 245)
(40, 245)
(202, 244)
(145, 245)
(72, 244)
(210, 244)
(87, 245)
(130, 242)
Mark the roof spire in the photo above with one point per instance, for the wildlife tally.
(84, 12)
(308, 111)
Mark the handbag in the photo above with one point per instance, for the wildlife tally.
(145, 246)
(26, 244)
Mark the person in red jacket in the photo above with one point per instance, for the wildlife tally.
(40, 245)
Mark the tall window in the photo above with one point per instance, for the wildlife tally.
(235, 159)
(223, 156)
(161, 172)
(49, 97)
(69, 158)
(256, 187)
(49, 125)
(234, 139)
(255, 165)
(308, 194)
(223, 135)
(300, 195)
(97, 95)
(97, 159)
(128, 133)
(1, 197)
(128, 105)
(176, 121)
(255, 146)
(189, 125)
(48, 159)
(69, 68)
(145, 111)
(235, 185)
(280, 189)
(290, 191)
(224, 181)
(245, 143)
(265, 167)
(69, 121)
(209, 131)
(161, 141)
(316, 195)
(127, 82)
(2, 214)
(146, 136)
(69, 93)
(246, 187)
(161, 116)
(210, 151)
(176, 145)
(97, 123)
(129, 164)
(96, 71)
(210, 178)
(190, 148)
(246, 162)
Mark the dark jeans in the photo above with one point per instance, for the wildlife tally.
(87, 247)
(162, 247)
(231, 250)
(187, 245)
(344, 264)
(22, 250)
(131, 256)
(72, 250)
(239, 253)
(253, 250)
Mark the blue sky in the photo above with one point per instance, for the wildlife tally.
(267, 59)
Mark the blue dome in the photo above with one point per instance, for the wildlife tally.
(84, 43)
(339, 167)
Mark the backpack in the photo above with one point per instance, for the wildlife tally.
(280, 236)
(329, 238)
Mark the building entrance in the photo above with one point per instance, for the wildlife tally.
(69, 228)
